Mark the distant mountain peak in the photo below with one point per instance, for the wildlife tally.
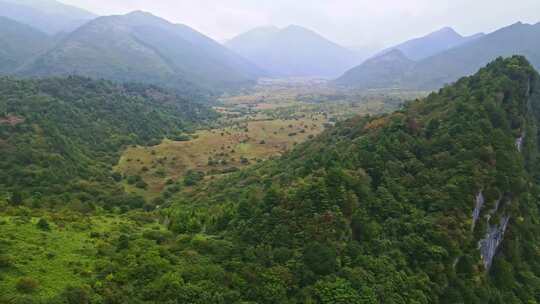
(446, 31)
(141, 14)
(295, 27)
(431, 44)
(293, 51)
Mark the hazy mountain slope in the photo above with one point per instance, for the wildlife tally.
(433, 43)
(436, 203)
(376, 72)
(49, 16)
(251, 42)
(19, 43)
(293, 51)
(144, 48)
(517, 39)
(447, 66)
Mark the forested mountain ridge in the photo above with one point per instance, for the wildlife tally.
(436, 203)
(140, 47)
(60, 137)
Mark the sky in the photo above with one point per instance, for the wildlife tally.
(352, 23)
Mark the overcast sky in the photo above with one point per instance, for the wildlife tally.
(373, 23)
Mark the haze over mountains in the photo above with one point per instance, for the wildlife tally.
(19, 43)
(433, 43)
(49, 16)
(140, 47)
(450, 64)
(293, 51)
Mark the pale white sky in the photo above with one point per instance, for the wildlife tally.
(348, 22)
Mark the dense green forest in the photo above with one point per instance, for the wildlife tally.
(60, 137)
(396, 208)
(380, 209)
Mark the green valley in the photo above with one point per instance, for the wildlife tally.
(377, 209)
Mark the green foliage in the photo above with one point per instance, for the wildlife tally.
(341, 292)
(60, 137)
(375, 210)
(193, 177)
(76, 295)
(43, 224)
(378, 209)
(27, 285)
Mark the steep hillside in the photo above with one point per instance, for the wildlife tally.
(293, 51)
(140, 47)
(447, 66)
(19, 43)
(432, 43)
(59, 138)
(49, 16)
(436, 203)
(376, 72)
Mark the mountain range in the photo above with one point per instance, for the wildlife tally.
(293, 51)
(432, 43)
(448, 65)
(48, 38)
(140, 47)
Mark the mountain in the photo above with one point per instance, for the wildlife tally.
(19, 44)
(445, 67)
(433, 43)
(139, 47)
(293, 51)
(435, 203)
(49, 16)
(375, 72)
(61, 136)
(517, 39)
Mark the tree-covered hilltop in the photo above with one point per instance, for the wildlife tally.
(61, 136)
(383, 209)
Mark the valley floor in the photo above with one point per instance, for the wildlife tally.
(256, 125)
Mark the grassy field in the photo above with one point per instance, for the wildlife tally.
(54, 258)
(255, 125)
(216, 151)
